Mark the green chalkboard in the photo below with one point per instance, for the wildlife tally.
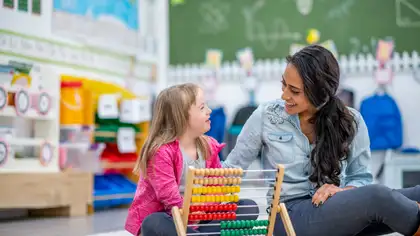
(269, 27)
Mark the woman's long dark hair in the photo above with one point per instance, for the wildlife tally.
(335, 126)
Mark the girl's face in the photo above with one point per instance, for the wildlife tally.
(199, 115)
(293, 92)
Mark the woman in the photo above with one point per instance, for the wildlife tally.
(325, 149)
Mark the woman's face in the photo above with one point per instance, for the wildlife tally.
(293, 93)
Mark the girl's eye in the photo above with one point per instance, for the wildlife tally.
(295, 92)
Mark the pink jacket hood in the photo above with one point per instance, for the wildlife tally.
(160, 190)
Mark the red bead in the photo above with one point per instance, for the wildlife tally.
(234, 207)
(217, 216)
(226, 207)
(192, 208)
(232, 216)
(200, 208)
(224, 216)
(211, 208)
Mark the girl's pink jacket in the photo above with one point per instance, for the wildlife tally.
(160, 190)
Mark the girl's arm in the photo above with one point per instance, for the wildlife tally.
(358, 164)
(249, 142)
(163, 180)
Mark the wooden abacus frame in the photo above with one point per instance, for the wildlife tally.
(180, 216)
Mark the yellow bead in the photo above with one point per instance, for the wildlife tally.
(236, 198)
(217, 190)
(213, 198)
(194, 199)
(238, 189)
(221, 199)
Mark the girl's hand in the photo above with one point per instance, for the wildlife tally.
(324, 192)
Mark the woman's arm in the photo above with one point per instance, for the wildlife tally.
(162, 178)
(249, 142)
(358, 171)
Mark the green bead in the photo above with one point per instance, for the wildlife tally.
(238, 224)
(222, 233)
(229, 225)
(223, 225)
(265, 231)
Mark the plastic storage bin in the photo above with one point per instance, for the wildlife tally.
(71, 103)
(112, 184)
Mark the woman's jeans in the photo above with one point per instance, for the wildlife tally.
(162, 224)
(369, 210)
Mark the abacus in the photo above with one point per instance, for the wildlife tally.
(212, 194)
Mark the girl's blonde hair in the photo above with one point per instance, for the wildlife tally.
(169, 122)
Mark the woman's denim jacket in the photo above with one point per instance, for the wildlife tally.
(277, 137)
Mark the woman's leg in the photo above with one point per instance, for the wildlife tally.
(252, 209)
(160, 224)
(350, 212)
(380, 228)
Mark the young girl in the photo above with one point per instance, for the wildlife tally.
(176, 141)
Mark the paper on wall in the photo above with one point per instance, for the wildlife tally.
(214, 58)
(384, 51)
(246, 58)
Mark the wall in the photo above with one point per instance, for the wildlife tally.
(117, 60)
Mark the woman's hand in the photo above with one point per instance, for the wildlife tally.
(324, 192)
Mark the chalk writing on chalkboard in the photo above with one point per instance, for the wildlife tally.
(268, 35)
(407, 13)
(214, 17)
(341, 10)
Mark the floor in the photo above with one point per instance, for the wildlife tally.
(105, 223)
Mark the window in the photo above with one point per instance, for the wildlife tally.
(9, 3)
(36, 7)
(23, 5)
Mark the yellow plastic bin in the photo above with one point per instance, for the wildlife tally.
(88, 108)
(71, 103)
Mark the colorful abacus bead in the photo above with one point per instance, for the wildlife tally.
(241, 232)
(242, 224)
